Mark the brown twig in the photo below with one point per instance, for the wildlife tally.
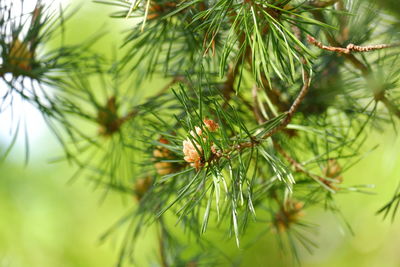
(294, 107)
(350, 48)
(333, 42)
(290, 113)
(298, 167)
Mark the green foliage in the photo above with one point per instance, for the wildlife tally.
(265, 109)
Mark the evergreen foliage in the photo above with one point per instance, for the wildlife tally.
(266, 105)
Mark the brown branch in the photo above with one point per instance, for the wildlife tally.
(333, 42)
(294, 107)
(298, 167)
(350, 48)
(290, 113)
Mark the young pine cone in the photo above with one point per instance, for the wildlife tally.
(192, 150)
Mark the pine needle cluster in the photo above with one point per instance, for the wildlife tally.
(267, 104)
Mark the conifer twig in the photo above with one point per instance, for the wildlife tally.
(294, 107)
(350, 48)
(290, 113)
(298, 167)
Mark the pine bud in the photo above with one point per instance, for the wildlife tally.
(20, 56)
(332, 170)
(211, 125)
(158, 9)
(192, 150)
(192, 154)
(107, 118)
(288, 214)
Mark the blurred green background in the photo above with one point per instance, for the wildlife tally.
(46, 221)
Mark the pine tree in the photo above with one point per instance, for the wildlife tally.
(266, 104)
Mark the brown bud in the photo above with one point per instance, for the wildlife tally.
(108, 118)
(191, 151)
(332, 170)
(159, 9)
(288, 214)
(211, 125)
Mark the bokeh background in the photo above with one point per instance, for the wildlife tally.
(46, 220)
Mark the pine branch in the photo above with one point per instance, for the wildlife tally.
(282, 125)
(350, 48)
(295, 105)
(300, 168)
(205, 148)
